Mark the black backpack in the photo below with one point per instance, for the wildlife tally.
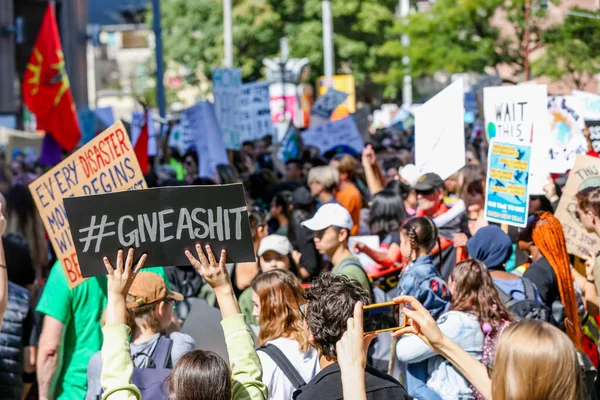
(527, 308)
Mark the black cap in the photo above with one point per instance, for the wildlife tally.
(428, 183)
(302, 197)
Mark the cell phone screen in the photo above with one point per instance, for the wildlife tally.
(381, 318)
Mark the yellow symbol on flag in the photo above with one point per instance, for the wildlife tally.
(61, 76)
(36, 70)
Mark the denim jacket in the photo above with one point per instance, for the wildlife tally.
(463, 329)
(422, 281)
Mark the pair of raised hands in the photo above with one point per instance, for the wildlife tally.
(121, 277)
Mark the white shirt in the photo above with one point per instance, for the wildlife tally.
(307, 365)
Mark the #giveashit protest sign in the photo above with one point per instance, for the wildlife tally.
(507, 197)
(161, 222)
(585, 173)
(105, 164)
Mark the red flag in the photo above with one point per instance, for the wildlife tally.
(141, 146)
(46, 88)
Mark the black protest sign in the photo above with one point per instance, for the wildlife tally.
(161, 222)
(594, 128)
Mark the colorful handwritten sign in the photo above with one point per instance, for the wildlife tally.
(507, 194)
(105, 164)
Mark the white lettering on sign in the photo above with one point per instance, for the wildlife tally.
(166, 225)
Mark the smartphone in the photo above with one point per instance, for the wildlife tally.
(383, 317)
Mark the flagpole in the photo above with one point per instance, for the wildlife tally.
(160, 69)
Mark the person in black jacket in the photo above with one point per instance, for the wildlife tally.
(303, 208)
(330, 303)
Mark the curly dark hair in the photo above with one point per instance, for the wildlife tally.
(331, 300)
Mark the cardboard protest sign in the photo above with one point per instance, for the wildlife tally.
(343, 83)
(585, 173)
(341, 134)
(162, 222)
(325, 105)
(507, 195)
(227, 89)
(105, 164)
(255, 111)
(566, 132)
(28, 142)
(440, 132)
(200, 123)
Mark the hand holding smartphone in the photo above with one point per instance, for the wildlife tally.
(383, 317)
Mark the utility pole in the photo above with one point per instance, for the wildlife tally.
(407, 80)
(228, 34)
(160, 68)
(328, 41)
(526, 73)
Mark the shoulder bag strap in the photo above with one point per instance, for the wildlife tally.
(284, 364)
(162, 353)
(529, 290)
(506, 299)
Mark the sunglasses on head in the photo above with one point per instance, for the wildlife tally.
(302, 309)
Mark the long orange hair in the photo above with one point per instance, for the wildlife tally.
(549, 238)
(280, 294)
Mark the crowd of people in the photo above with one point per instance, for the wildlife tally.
(492, 312)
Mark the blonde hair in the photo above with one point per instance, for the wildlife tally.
(326, 176)
(536, 361)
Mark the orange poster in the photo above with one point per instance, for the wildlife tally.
(344, 83)
(105, 164)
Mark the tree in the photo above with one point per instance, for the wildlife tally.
(571, 51)
(462, 36)
(193, 33)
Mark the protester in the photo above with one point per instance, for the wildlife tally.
(293, 170)
(198, 373)
(555, 272)
(303, 208)
(348, 194)
(190, 165)
(322, 182)
(421, 279)
(330, 303)
(493, 248)
(226, 174)
(277, 296)
(24, 220)
(71, 333)
(451, 222)
(150, 313)
(588, 213)
(279, 223)
(526, 352)
(476, 317)
(332, 225)
(275, 252)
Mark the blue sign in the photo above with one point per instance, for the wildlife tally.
(507, 193)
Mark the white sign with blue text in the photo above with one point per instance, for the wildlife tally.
(227, 89)
(255, 111)
(340, 135)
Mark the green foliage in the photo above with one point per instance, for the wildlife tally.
(193, 33)
(571, 50)
(458, 36)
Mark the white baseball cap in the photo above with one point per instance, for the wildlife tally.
(277, 243)
(410, 173)
(329, 215)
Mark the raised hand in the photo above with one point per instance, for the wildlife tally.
(215, 274)
(121, 278)
(420, 323)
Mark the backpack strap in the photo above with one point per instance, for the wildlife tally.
(162, 352)
(350, 261)
(505, 297)
(284, 364)
(529, 289)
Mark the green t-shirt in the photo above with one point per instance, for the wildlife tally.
(80, 310)
(353, 271)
